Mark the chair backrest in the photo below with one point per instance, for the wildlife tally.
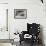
(33, 28)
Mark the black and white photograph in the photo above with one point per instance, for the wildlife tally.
(22, 22)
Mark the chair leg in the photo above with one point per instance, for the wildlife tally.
(20, 42)
(32, 42)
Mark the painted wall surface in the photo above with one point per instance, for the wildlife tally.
(3, 1)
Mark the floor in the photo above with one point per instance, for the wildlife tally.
(5, 44)
(23, 44)
(26, 44)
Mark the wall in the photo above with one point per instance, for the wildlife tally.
(34, 13)
(3, 1)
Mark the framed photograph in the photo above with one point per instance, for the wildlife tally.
(20, 13)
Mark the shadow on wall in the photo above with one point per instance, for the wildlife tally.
(41, 35)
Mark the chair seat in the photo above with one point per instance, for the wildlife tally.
(27, 36)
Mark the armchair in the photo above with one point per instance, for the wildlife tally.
(33, 30)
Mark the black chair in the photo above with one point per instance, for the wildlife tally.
(32, 29)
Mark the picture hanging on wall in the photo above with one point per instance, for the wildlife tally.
(20, 13)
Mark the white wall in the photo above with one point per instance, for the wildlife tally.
(3, 1)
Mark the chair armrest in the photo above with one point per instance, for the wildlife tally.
(22, 35)
(24, 32)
